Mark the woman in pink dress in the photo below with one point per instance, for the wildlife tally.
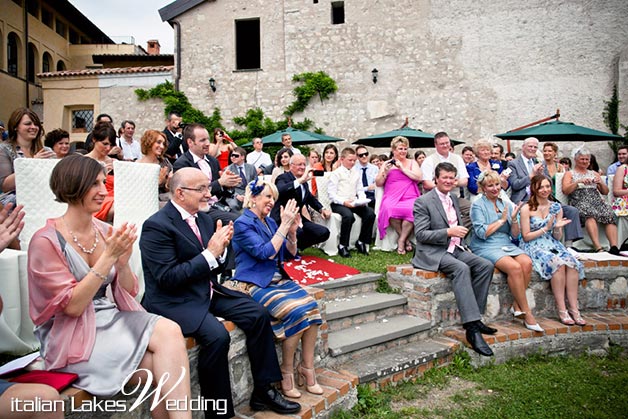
(399, 177)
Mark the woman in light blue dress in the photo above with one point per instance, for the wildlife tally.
(494, 225)
(541, 229)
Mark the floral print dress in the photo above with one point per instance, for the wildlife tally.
(547, 253)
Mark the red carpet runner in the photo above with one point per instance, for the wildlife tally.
(312, 270)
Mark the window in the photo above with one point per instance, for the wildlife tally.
(60, 65)
(33, 7)
(46, 18)
(337, 12)
(247, 44)
(32, 62)
(12, 54)
(46, 63)
(82, 120)
(61, 28)
(74, 36)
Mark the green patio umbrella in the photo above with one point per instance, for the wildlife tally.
(416, 138)
(299, 137)
(559, 131)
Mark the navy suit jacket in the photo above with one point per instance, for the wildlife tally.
(285, 186)
(187, 160)
(176, 275)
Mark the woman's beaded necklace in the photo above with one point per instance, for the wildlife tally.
(80, 246)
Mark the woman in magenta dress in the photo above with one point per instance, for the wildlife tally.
(399, 177)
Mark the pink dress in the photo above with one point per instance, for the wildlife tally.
(400, 192)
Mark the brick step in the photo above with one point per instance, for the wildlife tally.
(340, 391)
(373, 335)
(351, 285)
(404, 362)
(343, 313)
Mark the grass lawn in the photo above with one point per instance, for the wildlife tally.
(533, 387)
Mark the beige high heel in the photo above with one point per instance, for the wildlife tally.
(307, 376)
(577, 318)
(287, 386)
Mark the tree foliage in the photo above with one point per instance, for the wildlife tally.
(611, 119)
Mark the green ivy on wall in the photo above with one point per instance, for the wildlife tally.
(313, 84)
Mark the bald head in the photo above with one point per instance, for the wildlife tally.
(190, 188)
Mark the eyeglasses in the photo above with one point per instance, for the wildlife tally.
(201, 189)
(236, 155)
(363, 154)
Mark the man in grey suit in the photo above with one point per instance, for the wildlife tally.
(440, 247)
(247, 173)
(523, 168)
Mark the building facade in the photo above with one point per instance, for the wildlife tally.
(473, 69)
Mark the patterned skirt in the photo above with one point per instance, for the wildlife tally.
(292, 308)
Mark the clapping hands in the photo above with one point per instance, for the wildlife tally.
(119, 243)
(555, 222)
(10, 224)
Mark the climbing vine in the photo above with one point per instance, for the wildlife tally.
(319, 83)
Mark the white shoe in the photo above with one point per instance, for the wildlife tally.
(516, 313)
(534, 327)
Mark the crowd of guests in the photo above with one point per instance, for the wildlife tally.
(217, 246)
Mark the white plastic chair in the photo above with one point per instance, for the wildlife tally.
(389, 243)
(136, 197)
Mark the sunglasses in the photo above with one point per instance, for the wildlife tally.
(236, 155)
(363, 154)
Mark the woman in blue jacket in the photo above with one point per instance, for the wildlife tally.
(260, 248)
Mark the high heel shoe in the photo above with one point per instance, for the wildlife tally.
(534, 327)
(287, 386)
(516, 313)
(307, 376)
(564, 318)
(577, 318)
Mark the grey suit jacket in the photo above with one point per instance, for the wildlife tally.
(430, 230)
(250, 173)
(519, 180)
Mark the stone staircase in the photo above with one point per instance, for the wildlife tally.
(371, 335)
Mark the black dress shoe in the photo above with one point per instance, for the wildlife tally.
(477, 342)
(361, 247)
(271, 399)
(486, 330)
(344, 252)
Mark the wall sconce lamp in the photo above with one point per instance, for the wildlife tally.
(374, 72)
(212, 84)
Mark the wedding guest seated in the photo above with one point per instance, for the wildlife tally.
(346, 197)
(541, 229)
(440, 247)
(494, 225)
(24, 141)
(154, 144)
(510, 156)
(483, 163)
(330, 158)
(247, 173)
(620, 185)
(468, 154)
(103, 138)
(622, 158)
(566, 163)
(59, 141)
(583, 186)
(293, 185)
(419, 156)
(368, 173)
(72, 262)
(261, 248)
(282, 163)
(400, 178)
(258, 158)
(594, 166)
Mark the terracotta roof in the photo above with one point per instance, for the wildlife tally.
(103, 71)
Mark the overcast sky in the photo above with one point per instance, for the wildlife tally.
(123, 18)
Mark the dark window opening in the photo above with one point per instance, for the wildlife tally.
(74, 37)
(61, 28)
(82, 120)
(32, 54)
(33, 7)
(46, 64)
(337, 12)
(46, 18)
(60, 65)
(12, 58)
(248, 44)
(315, 1)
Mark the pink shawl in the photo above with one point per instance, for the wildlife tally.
(50, 286)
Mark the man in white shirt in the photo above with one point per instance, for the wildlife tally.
(286, 140)
(368, 172)
(259, 158)
(130, 147)
(347, 197)
(443, 154)
(622, 158)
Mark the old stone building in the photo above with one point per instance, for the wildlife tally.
(471, 68)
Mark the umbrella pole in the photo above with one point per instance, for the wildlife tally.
(540, 121)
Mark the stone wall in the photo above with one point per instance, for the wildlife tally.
(472, 69)
(431, 296)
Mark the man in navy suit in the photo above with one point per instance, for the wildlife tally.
(293, 185)
(181, 253)
(197, 139)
